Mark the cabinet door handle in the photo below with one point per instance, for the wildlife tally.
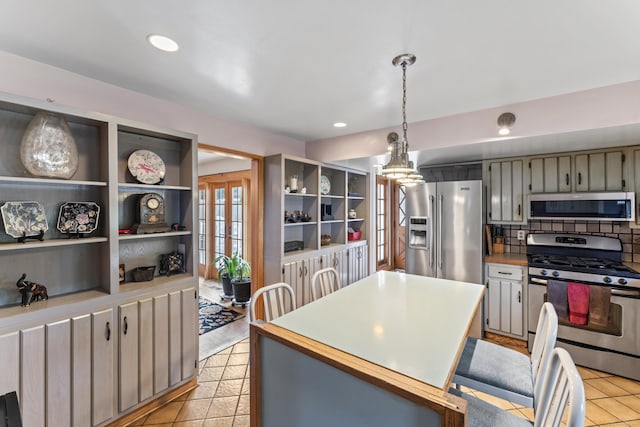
(126, 325)
(301, 271)
(519, 209)
(508, 273)
(108, 331)
(519, 296)
(567, 179)
(306, 270)
(579, 178)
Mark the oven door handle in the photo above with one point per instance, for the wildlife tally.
(615, 292)
(625, 293)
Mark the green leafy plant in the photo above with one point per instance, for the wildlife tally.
(235, 266)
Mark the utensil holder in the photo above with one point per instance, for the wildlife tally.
(498, 245)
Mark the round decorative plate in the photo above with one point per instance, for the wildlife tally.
(325, 185)
(146, 166)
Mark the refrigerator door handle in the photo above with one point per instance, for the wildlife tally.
(440, 212)
(431, 232)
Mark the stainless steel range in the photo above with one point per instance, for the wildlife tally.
(611, 344)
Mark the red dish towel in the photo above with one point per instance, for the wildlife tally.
(578, 296)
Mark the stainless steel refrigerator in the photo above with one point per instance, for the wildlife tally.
(444, 233)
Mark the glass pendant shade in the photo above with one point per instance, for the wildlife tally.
(48, 148)
(399, 165)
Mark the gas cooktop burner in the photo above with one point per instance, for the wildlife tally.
(555, 261)
(588, 264)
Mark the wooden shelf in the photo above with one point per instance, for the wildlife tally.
(153, 235)
(34, 244)
(49, 181)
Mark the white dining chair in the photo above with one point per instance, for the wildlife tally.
(506, 373)
(562, 391)
(323, 282)
(277, 299)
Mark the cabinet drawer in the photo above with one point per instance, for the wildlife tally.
(505, 272)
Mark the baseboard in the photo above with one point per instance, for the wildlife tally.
(154, 404)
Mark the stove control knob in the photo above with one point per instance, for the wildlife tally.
(543, 272)
(622, 281)
(555, 274)
(607, 279)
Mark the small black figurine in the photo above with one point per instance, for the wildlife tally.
(30, 291)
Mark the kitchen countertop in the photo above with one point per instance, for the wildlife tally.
(513, 259)
(635, 266)
(414, 325)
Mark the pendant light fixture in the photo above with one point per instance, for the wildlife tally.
(399, 166)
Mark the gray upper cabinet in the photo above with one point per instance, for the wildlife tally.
(506, 196)
(603, 171)
(550, 174)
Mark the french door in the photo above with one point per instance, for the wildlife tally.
(228, 218)
(223, 215)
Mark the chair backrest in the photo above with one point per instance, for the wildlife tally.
(323, 282)
(277, 299)
(545, 341)
(562, 385)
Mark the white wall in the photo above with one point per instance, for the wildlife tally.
(554, 124)
(24, 77)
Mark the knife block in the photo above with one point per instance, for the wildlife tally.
(498, 245)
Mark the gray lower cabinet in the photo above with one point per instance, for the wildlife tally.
(298, 274)
(340, 262)
(145, 351)
(58, 368)
(505, 309)
(358, 263)
(173, 318)
(63, 371)
(81, 370)
(189, 338)
(128, 356)
(103, 337)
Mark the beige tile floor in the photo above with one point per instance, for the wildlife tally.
(222, 397)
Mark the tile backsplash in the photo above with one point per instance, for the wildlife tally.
(630, 237)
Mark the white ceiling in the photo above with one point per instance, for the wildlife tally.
(295, 67)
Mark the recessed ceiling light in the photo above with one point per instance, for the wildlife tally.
(162, 42)
(339, 125)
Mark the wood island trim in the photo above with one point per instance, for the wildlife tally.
(451, 409)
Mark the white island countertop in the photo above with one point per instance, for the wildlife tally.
(413, 325)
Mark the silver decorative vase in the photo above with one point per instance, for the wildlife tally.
(48, 148)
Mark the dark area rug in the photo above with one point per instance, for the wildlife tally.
(213, 315)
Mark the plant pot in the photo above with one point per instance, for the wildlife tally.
(227, 288)
(241, 290)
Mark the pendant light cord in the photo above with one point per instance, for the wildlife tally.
(404, 104)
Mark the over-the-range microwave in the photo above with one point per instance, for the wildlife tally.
(605, 206)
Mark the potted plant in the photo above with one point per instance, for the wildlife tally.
(223, 264)
(239, 271)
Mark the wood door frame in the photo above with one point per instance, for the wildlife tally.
(255, 214)
(387, 264)
(395, 225)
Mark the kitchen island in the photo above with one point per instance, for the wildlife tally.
(379, 352)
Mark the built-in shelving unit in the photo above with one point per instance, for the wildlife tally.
(307, 208)
(95, 362)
